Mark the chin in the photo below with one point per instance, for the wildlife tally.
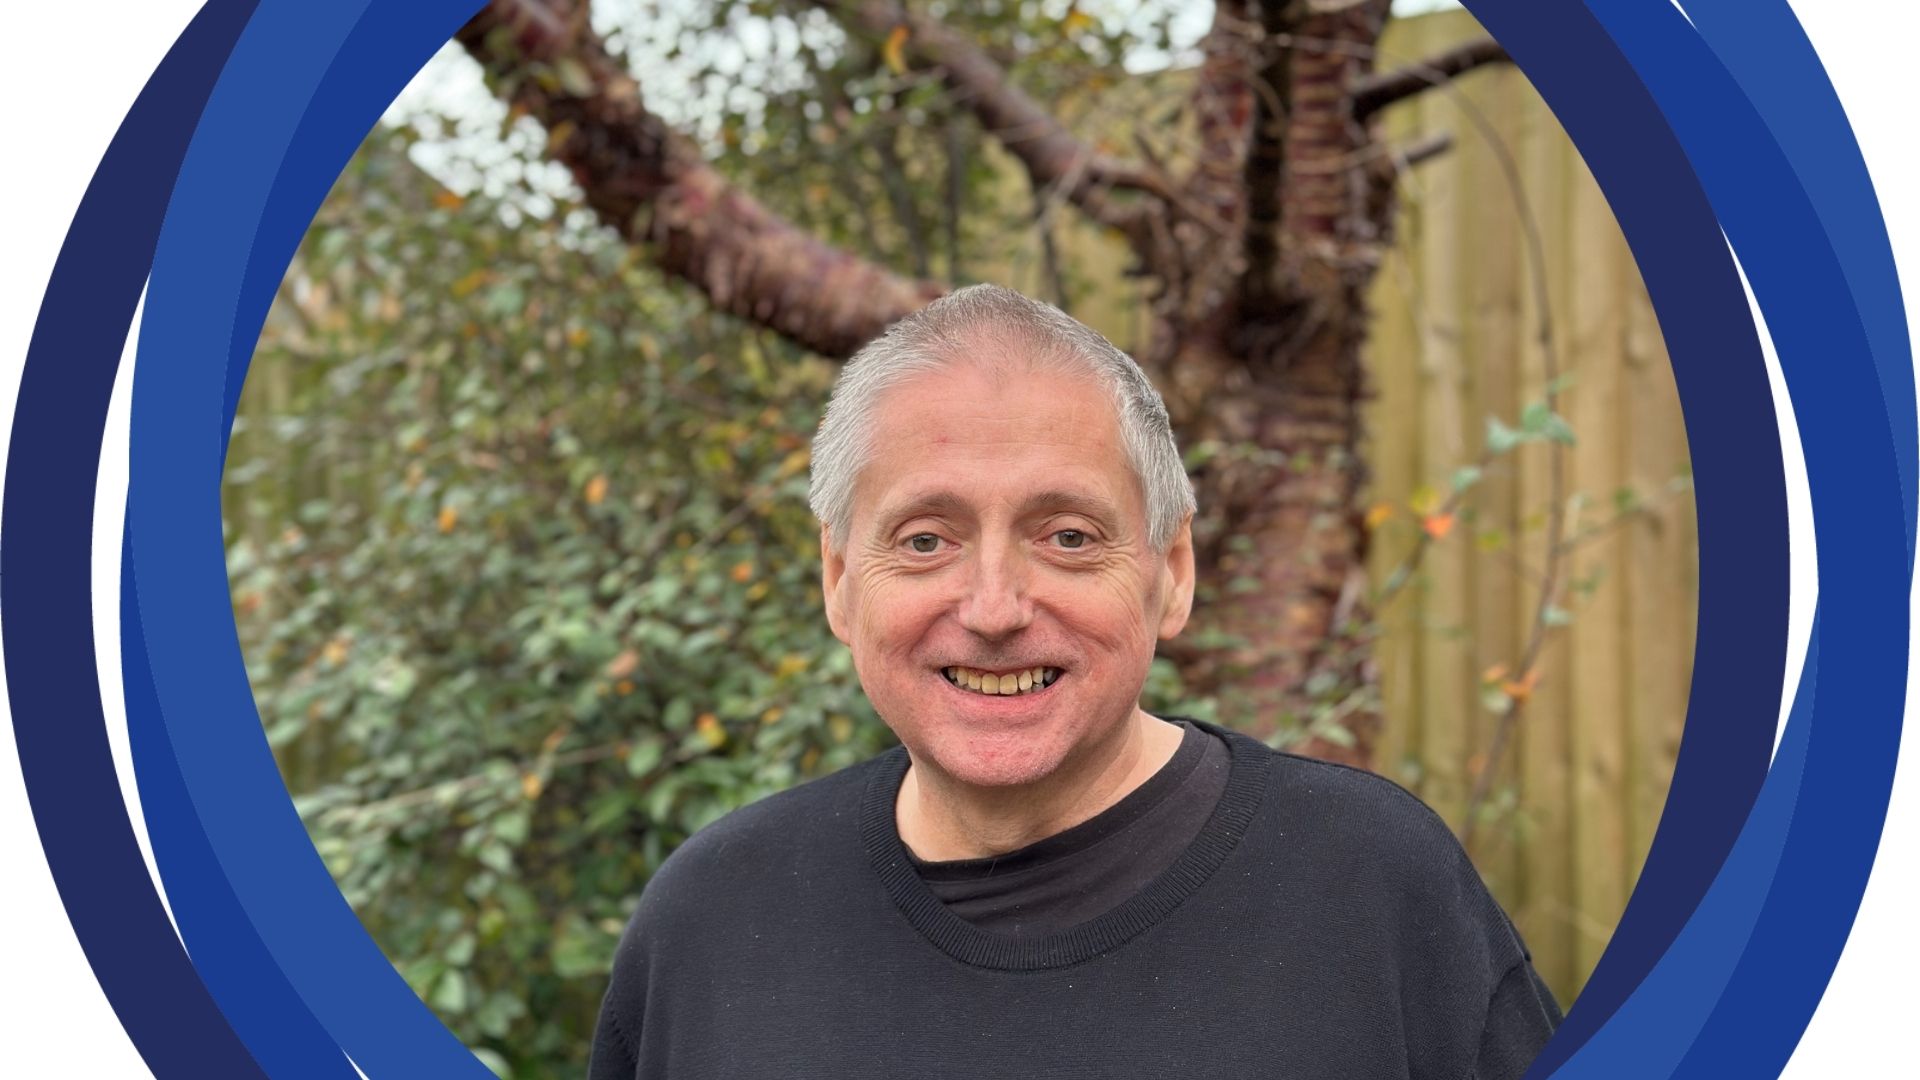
(984, 759)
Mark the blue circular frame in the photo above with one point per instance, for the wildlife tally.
(1713, 133)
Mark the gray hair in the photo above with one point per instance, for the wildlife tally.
(949, 332)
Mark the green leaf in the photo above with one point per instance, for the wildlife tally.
(450, 993)
(573, 77)
(511, 827)
(678, 715)
(1465, 477)
(459, 951)
(646, 754)
(1558, 430)
(1337, 734)
(492, 1060)
(1500, 437)
(1555, 615)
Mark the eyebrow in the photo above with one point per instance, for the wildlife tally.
(952, 504)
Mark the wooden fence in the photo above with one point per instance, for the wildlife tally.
(1458, 339)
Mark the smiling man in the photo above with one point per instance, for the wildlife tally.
(1044, 879)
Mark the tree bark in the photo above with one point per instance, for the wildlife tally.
(1261, 357)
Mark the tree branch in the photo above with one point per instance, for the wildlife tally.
(1376, 92)
(651, 184)
(1052, 155)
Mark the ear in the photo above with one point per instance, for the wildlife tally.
(1176, 581)
(833, 572)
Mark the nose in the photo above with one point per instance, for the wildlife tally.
(997, 603)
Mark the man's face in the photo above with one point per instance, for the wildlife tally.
(998, 529)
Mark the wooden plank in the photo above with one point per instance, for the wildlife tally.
(1446, 589)
(1396, 456)
(1658, 569)
(1596, 325)
(1546, 908)
(1393, 453)
(1493, 267)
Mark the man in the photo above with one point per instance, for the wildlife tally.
(1043, 879)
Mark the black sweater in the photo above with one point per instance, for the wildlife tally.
(1324, 924)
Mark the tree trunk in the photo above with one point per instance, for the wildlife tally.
(1265, 372)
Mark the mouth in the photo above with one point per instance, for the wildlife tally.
(1021, 682)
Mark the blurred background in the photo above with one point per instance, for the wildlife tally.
(518, 539)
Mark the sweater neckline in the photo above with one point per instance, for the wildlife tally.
(1250, 760)
(1071, 843)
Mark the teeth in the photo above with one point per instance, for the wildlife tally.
(1019, 682)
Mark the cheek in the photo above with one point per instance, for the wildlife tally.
(1115, 614)
(892, 620)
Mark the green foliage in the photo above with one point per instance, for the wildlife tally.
(527, 584)
(528, 587)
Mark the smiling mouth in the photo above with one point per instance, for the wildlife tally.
(997, 684)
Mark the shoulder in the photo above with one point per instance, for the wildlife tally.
(812, 827)
(1364, 846)
(1345, 805)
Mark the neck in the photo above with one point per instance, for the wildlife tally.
(941, 819)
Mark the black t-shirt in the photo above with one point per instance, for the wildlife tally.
(1323, 924)
(1083, 872)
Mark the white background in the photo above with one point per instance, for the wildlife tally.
(77, 69)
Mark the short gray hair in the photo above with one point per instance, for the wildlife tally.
(947, 333)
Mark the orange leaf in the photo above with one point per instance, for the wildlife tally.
(335, 652)
(623, 687)
(531, 785)
(622, 666)
(449, 517)
(708, 725)
(1378, 514)
(743, 572)
(1437, 525)
(596, 489)
(472, 281)
(1494, 674)
(795, 461)
(1520, 689)
(447, 200)
(1076, 20)
(894, 52)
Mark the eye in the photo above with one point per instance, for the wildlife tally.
(924, 543)
(1071, 538)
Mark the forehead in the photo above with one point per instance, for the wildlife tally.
(982, 429)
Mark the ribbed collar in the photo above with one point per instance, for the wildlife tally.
(962, 940)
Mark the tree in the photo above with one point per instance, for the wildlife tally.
(1259, 233)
